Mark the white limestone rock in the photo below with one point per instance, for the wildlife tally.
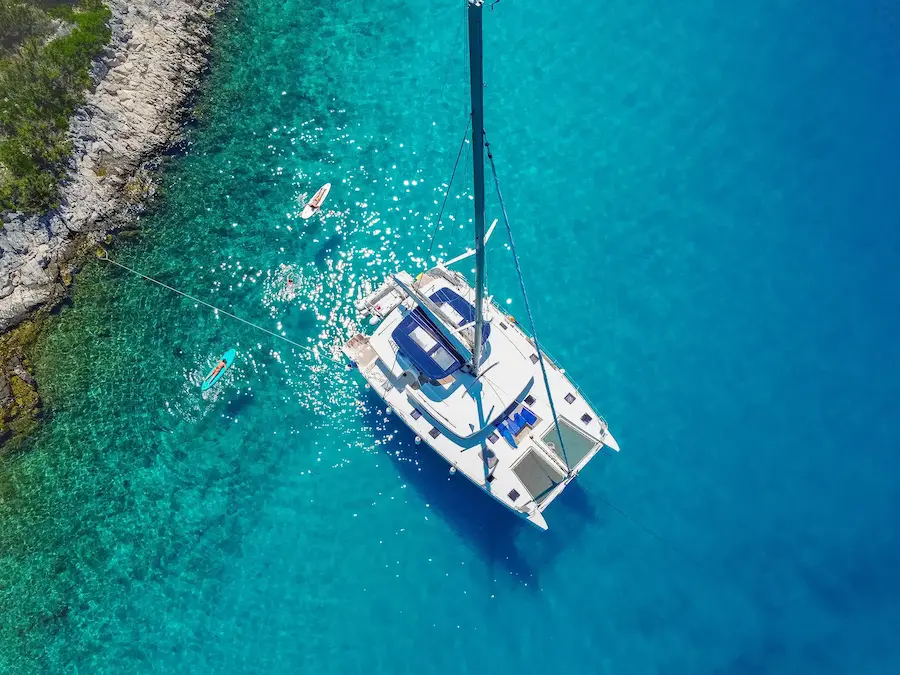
(155, 55)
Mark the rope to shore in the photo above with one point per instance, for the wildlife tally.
(103, 255)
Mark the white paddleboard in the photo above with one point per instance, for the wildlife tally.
(314, 204)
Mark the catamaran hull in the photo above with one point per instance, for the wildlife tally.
(536, 519)
(498, 429)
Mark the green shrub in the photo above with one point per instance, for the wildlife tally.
(18, 22)
(40, 87)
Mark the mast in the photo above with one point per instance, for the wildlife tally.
(476, 74)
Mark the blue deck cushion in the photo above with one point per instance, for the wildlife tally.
(516, 424)
(529, 417)
(421, 342)
(507, 436)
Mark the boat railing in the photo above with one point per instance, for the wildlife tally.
(555, 364)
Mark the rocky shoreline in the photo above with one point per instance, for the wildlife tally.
(143, 86)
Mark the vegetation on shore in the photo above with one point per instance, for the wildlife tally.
(45, 58)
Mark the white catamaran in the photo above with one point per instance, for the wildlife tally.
(465, 378)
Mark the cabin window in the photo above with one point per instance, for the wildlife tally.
(442, 357)
(421, 337)
(570, 398)
(586, 418)
(534, 358)
(416, 414)
(513, 495)
(434, 433)
(529, 400)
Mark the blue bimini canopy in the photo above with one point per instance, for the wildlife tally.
(422, 343)
(458, 309)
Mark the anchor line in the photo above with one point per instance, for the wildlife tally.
(309, 350)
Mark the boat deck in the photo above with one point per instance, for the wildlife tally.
(458, 417)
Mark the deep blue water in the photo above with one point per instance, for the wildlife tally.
(704, 200)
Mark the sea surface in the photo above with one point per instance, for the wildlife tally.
(704, 198)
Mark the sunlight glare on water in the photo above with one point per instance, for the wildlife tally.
(678, 184)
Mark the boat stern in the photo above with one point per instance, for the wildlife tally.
(359, 351)
(537, 519)
(609, 441)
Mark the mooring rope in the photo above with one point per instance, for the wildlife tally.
(105, 256)
(537, 344)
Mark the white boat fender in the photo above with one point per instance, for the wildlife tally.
(452, 470)
(418, 440)
(389, 411)
(373, 320)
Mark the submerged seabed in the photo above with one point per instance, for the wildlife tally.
(703, 205)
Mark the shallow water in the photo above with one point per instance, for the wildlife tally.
(703, 201)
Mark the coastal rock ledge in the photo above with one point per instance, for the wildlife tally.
(142, 85)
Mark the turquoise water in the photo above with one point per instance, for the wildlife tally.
(703, 200)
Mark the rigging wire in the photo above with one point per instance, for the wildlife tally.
(449, 65)
(437, 223)
(462, 21)
(468, 114)
(649, 530)
(512, 246)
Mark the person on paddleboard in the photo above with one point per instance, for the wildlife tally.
(313, 205)
(216, 370)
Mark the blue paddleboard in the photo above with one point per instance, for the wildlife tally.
(213, 377)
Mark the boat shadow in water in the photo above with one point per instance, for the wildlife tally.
(507, 543)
